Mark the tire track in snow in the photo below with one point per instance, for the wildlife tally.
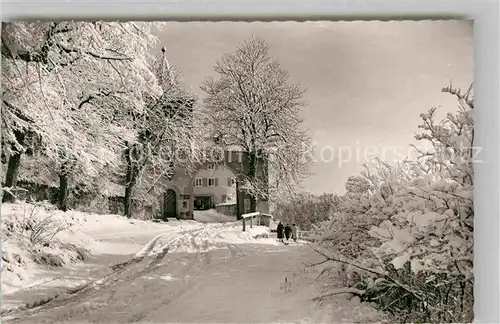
(176, 243)
(205, 256)
(188, 269)
(103, 299)
(197, 239)
(145, 250)
(73, 294)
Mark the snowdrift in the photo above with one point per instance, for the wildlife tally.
(212, 216)
(69, 237)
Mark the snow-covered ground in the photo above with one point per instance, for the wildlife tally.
(205, 260)
(27, 264)
(252, 283)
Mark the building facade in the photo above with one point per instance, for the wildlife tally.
(213, 183)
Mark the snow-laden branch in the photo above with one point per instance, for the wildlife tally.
(251, 105)
(410, 224)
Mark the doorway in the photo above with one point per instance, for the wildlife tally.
(170, 204)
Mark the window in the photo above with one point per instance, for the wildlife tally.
(223, 198)
(211, 167)
(197, 182)
(211, 182)
(184, 204)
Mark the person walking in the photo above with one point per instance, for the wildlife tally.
(280, 229)
(288, 231)
(294, 232)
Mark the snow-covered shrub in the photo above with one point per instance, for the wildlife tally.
(73, 109)
(37, 221)
(404, 232)
(306, 209)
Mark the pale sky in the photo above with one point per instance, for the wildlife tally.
(366, 82)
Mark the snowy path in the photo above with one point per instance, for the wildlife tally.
(178, 272)
(236, 284)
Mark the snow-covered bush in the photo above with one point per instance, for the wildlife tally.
(306, 209)
(404, 232)
(35, 221)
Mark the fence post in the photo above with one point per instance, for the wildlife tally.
(250, 217)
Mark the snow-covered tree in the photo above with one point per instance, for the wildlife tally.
(306, 209)
(251, 105)
(405, 230)
(168, 136)
(71, 87)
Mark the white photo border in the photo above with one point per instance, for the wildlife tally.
(486, 81)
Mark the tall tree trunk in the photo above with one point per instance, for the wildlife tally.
(252, 172)
(63, 180)
(130, 182)
(63, 191)
(239, 200)
(128, 201)
(13, 169)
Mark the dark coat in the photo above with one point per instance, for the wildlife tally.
(288, 232)
(279, 229)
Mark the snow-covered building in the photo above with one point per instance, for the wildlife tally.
(213, 183)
